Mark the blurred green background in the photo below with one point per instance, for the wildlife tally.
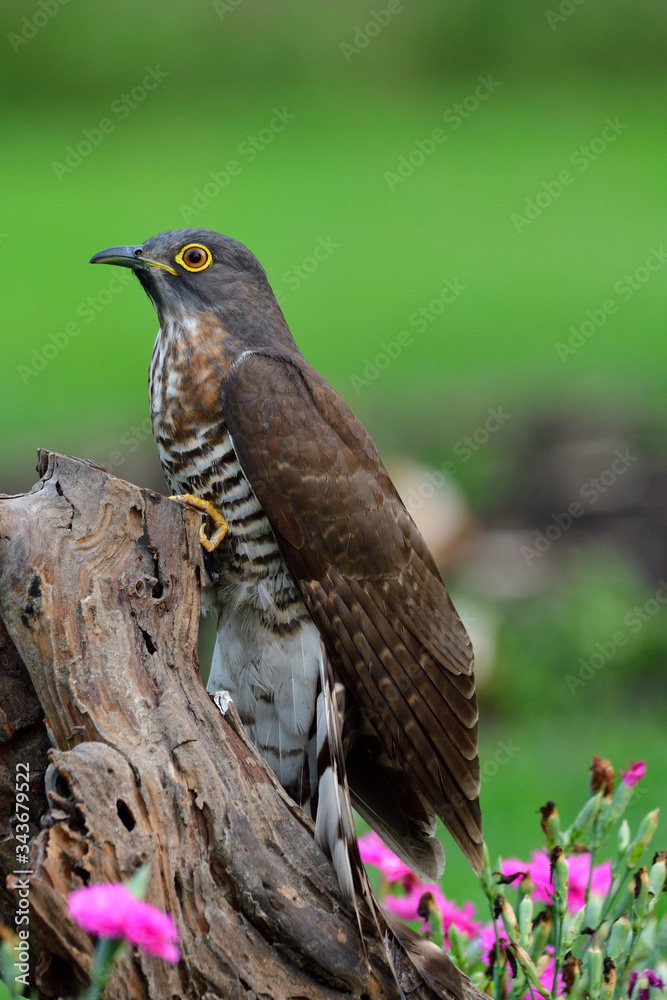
(485, 180)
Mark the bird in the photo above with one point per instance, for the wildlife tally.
(336, 638)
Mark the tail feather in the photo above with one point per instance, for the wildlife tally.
(334, 823)
(336, 835)
(384, 796)
(435, 968)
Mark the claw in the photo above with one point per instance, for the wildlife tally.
(196, 503)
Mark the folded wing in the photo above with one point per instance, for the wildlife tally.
(374, 591)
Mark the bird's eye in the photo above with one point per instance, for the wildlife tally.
(194, 257)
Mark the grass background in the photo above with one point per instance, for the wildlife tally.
(323, 176)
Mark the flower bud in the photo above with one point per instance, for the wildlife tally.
(623, 837)
(640, 904)
(647, 828)
(583, 821)
(560, 877)
(457, 947)
(594, 911)
(658, 874)
(526, 922)
(614, 808)
(602, 776)
(608, 980)
(526, 963)
(624, 904)
(594, 970)
(526, 887)
(571, 973)
(619, 937)
(541, 933)
(635, 773)
(550, 824)
(603, 929)
(542, 963)
(574, 928)
(503, 909)
(429, 911)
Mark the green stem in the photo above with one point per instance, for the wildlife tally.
(558, 942)
(590, 878)
(107, 952)
(631, 954)
(588, 896)
(612, 894)
(497, 971)
(619, 872)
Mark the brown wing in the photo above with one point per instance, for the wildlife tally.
(366, 576)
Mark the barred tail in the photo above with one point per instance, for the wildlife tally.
(331, 807)
(336, 730)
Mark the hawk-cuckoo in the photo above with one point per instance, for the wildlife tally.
(336, 638)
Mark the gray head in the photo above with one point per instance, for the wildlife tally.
(189, 271)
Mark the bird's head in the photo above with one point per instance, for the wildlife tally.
(188, 271)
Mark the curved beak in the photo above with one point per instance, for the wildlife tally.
(129, 257)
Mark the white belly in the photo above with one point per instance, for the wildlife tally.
(272, 680)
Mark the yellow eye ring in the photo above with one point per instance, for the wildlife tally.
(194, 257)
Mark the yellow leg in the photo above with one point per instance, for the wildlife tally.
(196, 503)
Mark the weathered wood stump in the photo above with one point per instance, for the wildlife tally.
(99, 594)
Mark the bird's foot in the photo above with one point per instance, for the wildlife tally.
(219, 523)
(222, 700)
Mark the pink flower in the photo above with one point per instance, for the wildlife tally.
(110, 910)
(547, 976)
(374, 852)
(579, 866)
(647, 978)
(635, 773)
(405, 907)
(487, 937)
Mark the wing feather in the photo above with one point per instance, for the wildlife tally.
(366, 576)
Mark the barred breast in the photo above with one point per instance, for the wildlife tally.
(267, 651)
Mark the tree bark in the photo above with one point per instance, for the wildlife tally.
(100, 587)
